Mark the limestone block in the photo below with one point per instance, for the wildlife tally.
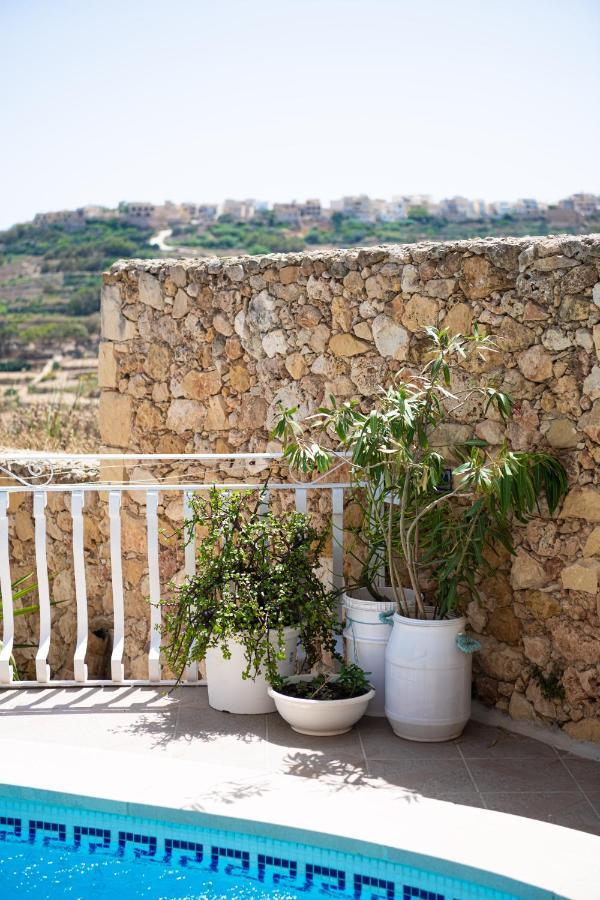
(480, 278)
(275, 343)
(319, 336)
(504, 625)
(289, 274)
(596, 293)
(296, 366)
(181, 305)
(459, 319)
(185, 415)
(201, 385)
(262, 313)
(149, 418)
(587, 729)
(24, 527)
(391, 339)
(216, 416)
(114, 419)
(592, 545)
(239, 378)
(253, 411)
(222, 325)
(308, 316)
(440, 287)
(575, 642)
(581, 576)
(234, 272)
(541, 605)
(535, 364)
(420, 311)
(158, 362)
(556, 340)
(582, 503)
(353, 282)
(520, 708)
(490, 431)
(591, 385)
(499, 661)
(410, 279)
(150, 291)
(114, 325)
(562, 434)
(107, 365)
(347, 345)
(536, 649)
(527, 572)
(363, 331)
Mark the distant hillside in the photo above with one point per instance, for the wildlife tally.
(50, 285)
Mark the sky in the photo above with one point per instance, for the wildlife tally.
(198, 100)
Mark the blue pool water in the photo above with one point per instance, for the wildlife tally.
(50, 850)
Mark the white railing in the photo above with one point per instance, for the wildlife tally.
(40, 482)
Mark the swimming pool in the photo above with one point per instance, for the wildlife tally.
(52, 849)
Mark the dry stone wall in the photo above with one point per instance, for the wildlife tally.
(196, 355)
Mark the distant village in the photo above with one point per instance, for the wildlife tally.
(570, 211)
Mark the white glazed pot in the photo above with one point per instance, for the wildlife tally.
(427, 679)
(320, 717)
(229, 692)
(368, 626)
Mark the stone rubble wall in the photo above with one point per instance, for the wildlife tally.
(196, 355)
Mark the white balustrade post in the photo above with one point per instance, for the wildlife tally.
(114, 516)
(80, 669)
(191, 672)
(337, 539)
(301, 498)
(8, 626)
(154, 582)
(263, 505)
(42, 669)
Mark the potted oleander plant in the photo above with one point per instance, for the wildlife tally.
(255, 601)
(323, 704)
(433, 505)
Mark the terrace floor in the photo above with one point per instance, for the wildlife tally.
(487, 767)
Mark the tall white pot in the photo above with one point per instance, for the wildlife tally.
(229, 692)
(427, 679)
(367, 628)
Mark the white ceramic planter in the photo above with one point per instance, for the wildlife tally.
(229, 692)
(320, 717)
(366, 635)
(427, 679)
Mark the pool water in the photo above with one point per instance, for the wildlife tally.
(50, 850)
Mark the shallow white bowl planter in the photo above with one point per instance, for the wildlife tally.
(229, 692)
(367, 629)
(320, 717)
(427, 679)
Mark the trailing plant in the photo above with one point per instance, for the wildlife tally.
(551, 684)
(349, 682)
(256, 573)
(419, 520)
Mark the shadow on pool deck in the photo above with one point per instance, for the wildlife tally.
(487, 767)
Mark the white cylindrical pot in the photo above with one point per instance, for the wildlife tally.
(320, 717)
(368, 626)
(427, 679)
(229, 692)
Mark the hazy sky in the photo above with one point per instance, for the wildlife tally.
(105, 100)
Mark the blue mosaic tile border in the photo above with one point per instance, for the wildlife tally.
(296, 867)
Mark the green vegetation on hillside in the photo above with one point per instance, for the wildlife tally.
(50, 283)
